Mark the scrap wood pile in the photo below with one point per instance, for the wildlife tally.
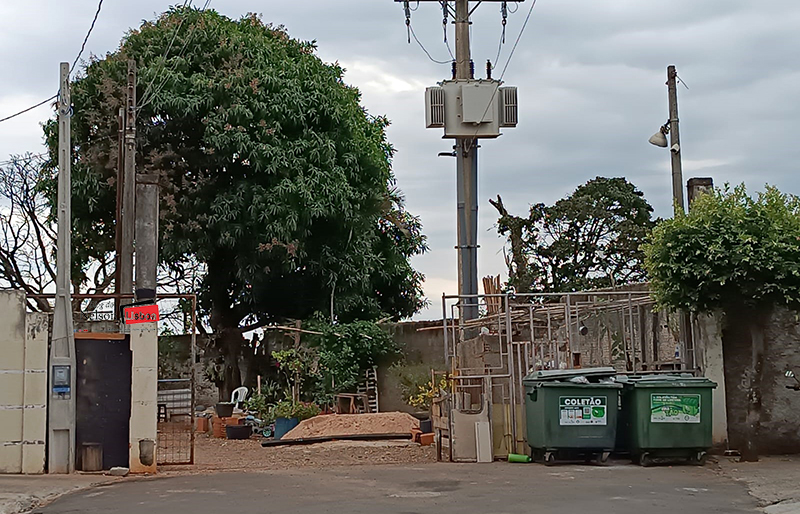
(382, 425)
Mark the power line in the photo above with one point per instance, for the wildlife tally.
(519, 36)
(83, 45)
(510, 56)
(414, 35)
(166, 52)
(29, 108)
(147, 100)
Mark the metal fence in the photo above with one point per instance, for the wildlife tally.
(514, 334)
(175, 421)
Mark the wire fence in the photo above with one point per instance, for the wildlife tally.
(175, 422)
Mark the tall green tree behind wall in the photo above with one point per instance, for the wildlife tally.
(272, 175)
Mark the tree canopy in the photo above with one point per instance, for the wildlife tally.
(731, 250)
(272, 175)
(590, 239)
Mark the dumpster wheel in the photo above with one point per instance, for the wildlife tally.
(549, 458)
(645, 460)
(699, 458)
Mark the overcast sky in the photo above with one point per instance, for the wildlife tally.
(591, 90)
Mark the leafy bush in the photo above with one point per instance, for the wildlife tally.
(261, 403)
(731, 249)
(299, 410)
(347, 350)
(416, 385)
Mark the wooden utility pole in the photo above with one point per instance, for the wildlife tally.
(61, 405)
(675, 141)
(128, 185)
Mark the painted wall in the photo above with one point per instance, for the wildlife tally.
(144, 396)
(23, 386)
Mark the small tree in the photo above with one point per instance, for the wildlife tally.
(740, 255)
(589, 239)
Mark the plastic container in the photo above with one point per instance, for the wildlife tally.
(571, 420)
(516, 457)
(224, 409)
(283, 425)
(238, 431)
(666, 416)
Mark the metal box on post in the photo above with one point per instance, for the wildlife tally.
(474, 108)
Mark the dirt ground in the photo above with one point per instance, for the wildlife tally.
(213, 454)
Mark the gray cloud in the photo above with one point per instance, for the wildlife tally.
(591, 77)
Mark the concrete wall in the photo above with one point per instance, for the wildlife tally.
(419, 347)
(756, 393)
(708, 335)
(144, 409)
(23, 386)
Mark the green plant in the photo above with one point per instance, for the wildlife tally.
(732, 249)
(291, 409)
(416, 384)
(347, 350)
(261, 403)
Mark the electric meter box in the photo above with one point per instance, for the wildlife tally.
(471, 108)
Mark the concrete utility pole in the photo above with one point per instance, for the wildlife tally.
(118, 218)
(128, 186)
(146, 235)
(61, 411)
(466, 179)
(675, 141)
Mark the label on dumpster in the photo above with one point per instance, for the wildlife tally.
(675, 408)
(582, 410)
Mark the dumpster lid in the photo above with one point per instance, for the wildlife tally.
(671, 380)
(566, 374)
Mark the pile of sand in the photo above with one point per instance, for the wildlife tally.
(337, 425)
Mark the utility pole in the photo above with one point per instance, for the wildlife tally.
(675, 141)
(128, 185)
(61, 411)
(466, 180)
(118, 218)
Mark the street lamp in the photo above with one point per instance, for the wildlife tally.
(660, 137)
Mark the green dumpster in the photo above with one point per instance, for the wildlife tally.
(570, 417)
(666, 416)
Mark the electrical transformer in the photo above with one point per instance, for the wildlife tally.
(471, 108)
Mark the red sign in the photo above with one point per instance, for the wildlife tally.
(141, 314)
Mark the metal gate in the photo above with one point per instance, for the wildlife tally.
(175, 421)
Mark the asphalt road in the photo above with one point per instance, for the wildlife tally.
(496, 488)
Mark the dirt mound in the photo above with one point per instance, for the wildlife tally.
(333, 425)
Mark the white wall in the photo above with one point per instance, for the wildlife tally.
(144, 396)
(23, 386)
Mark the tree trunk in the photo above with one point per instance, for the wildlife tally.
(228, 339)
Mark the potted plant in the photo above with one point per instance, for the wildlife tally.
(288, 414)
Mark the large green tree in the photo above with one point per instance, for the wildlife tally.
(590, 239)
(272, 175)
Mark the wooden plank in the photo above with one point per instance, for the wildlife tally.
(100, 336)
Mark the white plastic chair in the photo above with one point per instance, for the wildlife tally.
(239, 395)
